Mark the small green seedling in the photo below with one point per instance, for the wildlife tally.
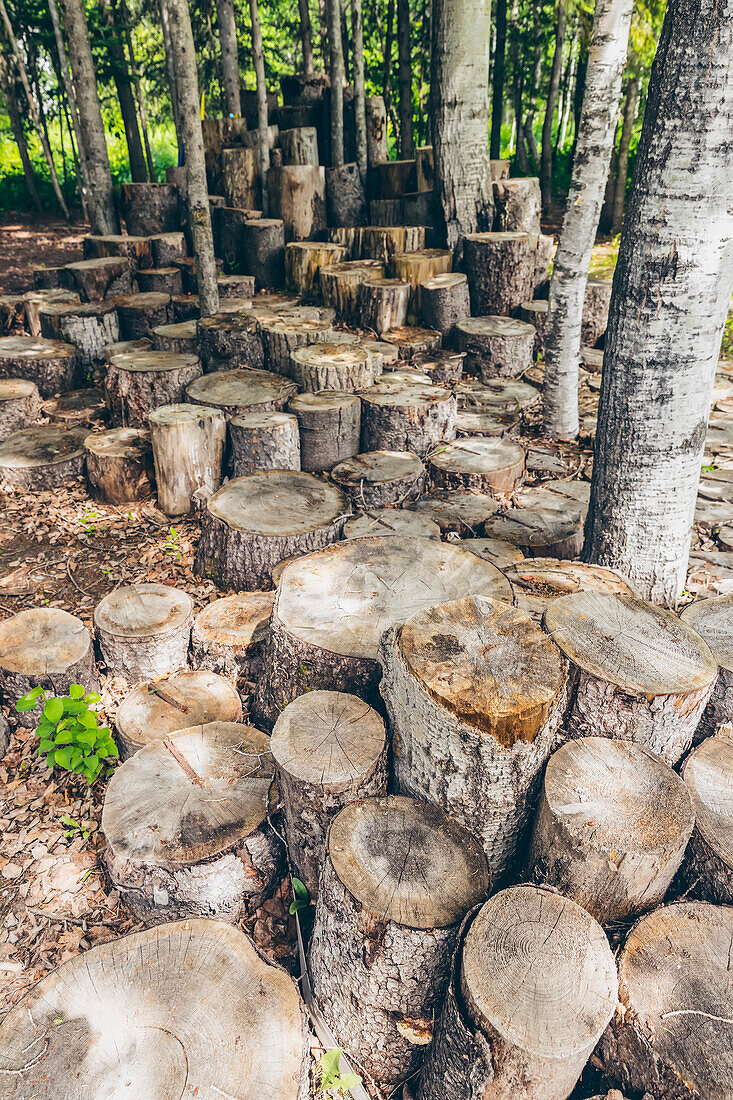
(331, 1081)
(301, 897)
(73, 827)
(172, 545)
(69, 733)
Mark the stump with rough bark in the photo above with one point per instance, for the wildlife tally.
(240, 391)
(489, 465)
(345, 200)
(410, 340)
(330, 428)
(496, 346)
(160, 280)
(51, 364)
(140, 313)
(536, 313)
(547, 528)
(42, 457)
(387, 521)
(120, 465)
(297, 194)
(346, 368)
(180, 337)
(188, 450)
(637, 671)
(264, 441)
(713, 621)
(138, 250)
(398, 878)
(241, 178)
(299, 145)
(303, 262)
(340, 283)
(282, 335)
(254, 522)
(182, 307)
(539, 581)
(440, 365)
(229, 635)
(94, 280)
(225, 341)
(406, 418)
(138, 382)
(517, 205)
(241, 287)
(382, 242)
(143, 630)
(501, 271)
(444, 300)
(595, 311)
(379, 477)
(383, 304)
(475, 693)
(150, 208)
(167, 247)
(502, 395)
(708, 774)
(20, 405)
(262, 250)
(88, 326)
(534, 986)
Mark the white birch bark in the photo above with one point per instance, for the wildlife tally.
(229, 55)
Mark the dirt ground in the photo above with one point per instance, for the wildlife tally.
(26, 241)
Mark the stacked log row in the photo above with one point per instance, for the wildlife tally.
(708, 776)
(264, 441)
(138, 250)
(140, 313)
(88, 326)
(51, 364)
(282, 335)
(406, 418)
(496, 346)
(340, 285)
(98, 279)
(501, 271)
(150, 208)
(42, 457)
(224, 342)
(120, 465)
(383, 304)
(347, 368)
(329, 426)
(229, 635)
(303, 263)
(188, 450)
(20, 405)
(380, 477)
(240, 391)
(444, 300)
(488, 465)
(713, 621)
(143, 630)
(138, 382)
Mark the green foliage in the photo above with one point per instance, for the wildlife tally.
(69, 733)
(301, 897)
(331, 1081)
(726, 348)
(74, 827)
(172, 545)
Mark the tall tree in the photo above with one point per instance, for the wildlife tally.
(197, 191)
(7, 86)
(123, 84)
(606, 59)
(497, 80)
(229, 55)
(518, 87)
(263, 139)
(404, 79)
(619, 195)
(387, 59)
(139, 97)
(460, 112)
(170, 66)
(551, 105)
(336, 70)
(671, 293)
(63, 64)
(306, 37)
(357, 31)
(103, 216)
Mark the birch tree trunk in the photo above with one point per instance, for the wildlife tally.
(460, 109)
(357, 31)
(552, 96)
(497, 83)
(306, 38)
(197, 191)
(258, 59)
(7, 86)
(619, 197)
(103, 216)
(404, 79)
(123, 86)
(606, 60)
(229, 55)
(672, 290)
(336, 69)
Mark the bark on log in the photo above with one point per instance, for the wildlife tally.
(262, 247)
(240, 173)
(457, 511)
(441, 366)
(20, 405)
(379, 477)
(297, 194)
(330, 428)
(166, 248)
(225, 342)
(143, 630)
(88, 327)
(300, 145)
(637, 672)
(264, 441)
(345, 368)
(94, 280)
(536, 313)
(179, 338)
(383, 242)
(345, 199)
(340, 285)
(548, 529)
(240, 391)
(711, 619)
(120, 465)
(376, 130)
(229, 636)
(49, 363)
(406, 418)
(188, 450)
(394, 177)
(488, 465)
(282, 335)
(42, 457)
(545, 254)
(241, 287)
(21, 313)
(383, 522)
(183, 307)
(150, 208)
(501, 271)
(708, 774)
(160, 280)
(76, 408)
(383, 304)
(496, 347)
(444, 300)
(415, 267)
(139, 313)
(47, 278)
(595, 311)
(539, 581)
(517, 204)
(410, 340)
(138, 250)
(398, 878)
(303, 262)
(386, 212)
(138, 382)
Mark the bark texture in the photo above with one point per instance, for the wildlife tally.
(143, 630)
(188, 450)
(229, 55)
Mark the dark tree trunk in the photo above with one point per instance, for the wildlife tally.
(7, 85)
(497, 88)
(336, 67)
(123, 84)
(619, 197)
(263, 145)
(387, 59)
(306, 37)
(404, 79)
(357, 31)
(552, 94)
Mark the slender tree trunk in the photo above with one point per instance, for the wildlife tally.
(551, 105)
(497, 87)
(306, 37)
(534, 87)
(632, 99)
(518, 82)
(566, 93)
(229, 55)
(77, 163)
(197, 192)
(123, 84)
(345, 39)
(103, 216)
(258, 59)
(7, 85)
(606, 61)
(387, 59)
(336, 69)
(139, 97)
(460, 110)
(323, 22)
(170, 65)
(82, 172)
(357, 31)
(671, 293)
(404, 79)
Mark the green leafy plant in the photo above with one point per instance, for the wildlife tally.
(69, 732)
(301, 897)
(331, 1081)
(73, 827)
(172, 545)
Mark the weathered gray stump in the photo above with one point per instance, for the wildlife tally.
(166, 248)
(143, 630)
(138, 250)
(240, 391)
(42, 457)
(187, 827)
(44, 647)
(262, 250)
(20, 405)
(120, 465)
(297, 194)
(282, 335)
(379, 477)
(254, 522)
(670, 1036)
(340, 285)
(138, 382)
(496, 346)
(97, 279)
(150, 208)
(264, 441)
(637, 672)
(489, 465)
(299, 145)
(406, 418)
(240, 174)
(517, 205)
(539, 581)
(168, 990)
(713, 621)
(229, 635)
(410, 340)
(303, 262)
(188, 451)
(708, 774)
(501, 271)
(345, 200)
(180, 337)
(160, 280)
(444, 300)
(225, 341)
(345, 368)
(475, 693)
(330, 428)
(536, 313)
(441, 366)
(398, 878)
(330, 749)
(611, 828)
(383, 304)
(595, 311)
(140, 313)
(333, 606)
(388, 521)
(49, 363)
(533, 987)
(456, 511)
(88, 326)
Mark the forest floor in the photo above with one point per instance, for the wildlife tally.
(26, 241)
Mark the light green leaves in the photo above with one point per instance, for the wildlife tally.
(69, 734)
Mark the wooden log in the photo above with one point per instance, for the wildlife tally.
(501, 271)
(386, 212)
(548, 529)
(166, 248)
(42, 457)
(496, 347)
(20, 405)
(383, 304)
(488, 465)
(655, 698)
(49, 363)
(595, 311)
(483, 422)
(711, 619)
(241, 178)
(160, 280)
(140, 381)
(224, 342)
(143, 630)
(380, 477)
(539, 581)
(262, 249)
(346, 368)
(708, 774)
(330, 428)
(333, 606)
(140, 313)
(89, 327)
(120, 465)
(188, 443)
(440, 365)
(122, 347)
(150, 208)
(501, 395)
(183, 307)
(241, 287)
(44, 647)
(415, 267)
(398, 878)
(138, 250)
(545, 253)
(474, 690)
(425, 168)
(186, 821)
(376, 130)
(345, 199)
(340, 285)
(517, 205)
(297, 194)
(330, 749)
(419, 208)
(300, 145)
(264, 441)
(536, 313)
(611, 829)
(410, 340)
(669, 1035)
(457, 511)
(189, 279)
(240, 391)
(47, 278)
(406, 418)
(229, 636)
(444, 300)
(254, 522)
(179, 338)
(94, 280)
(502, 554)
(383, 242)
(504, 1030)
(388, 353)
(383, 522)
(282, 335)
(303, 262)
(394, 177)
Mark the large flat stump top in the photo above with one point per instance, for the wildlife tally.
(140, 610)
(45, 445)
(277, 502)
(42, 641)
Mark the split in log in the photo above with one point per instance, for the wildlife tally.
(517, 205)
(144, 630)
(300, 145)
(341, 367)
(264, 441)
(167, 247)
(282, 335)
(410, 340)
(97, 279)
(140, 313)
(406, 418)
(713, 621)
(595, 311)
(241, 177)
(138, 250)
(345, 200)
(536, 313)
(229, 636)
(496, 347)
(539, 581)
(708, 775)
(262, 251)
(340, 283)
(501, 271)
(89, 326)
(180, 338)
(487, 464)
(42, 457)
(499, 394)
(20, 405)
(330, 428)
(150, 208)
(120, 465)
(441, 366)
(380, 477)
(240, 391)
(456, 510)
(49, 363)
(303, 262)
(138, 382)
(224, 342)
(297, 194)
(383, 522)
(383, 304)
(160, 280)
(188, 451)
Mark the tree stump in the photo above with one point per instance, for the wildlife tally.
(179, 338)
(341, 367)
(120, 465)
(517, 205)
(483, 422)
(264, 441)
(404, 375)
(140, 313)
(340, 284)
(122, 347)
(189, 279)
(595, 311)
(240, 174)
(415, 267)
(496, 346)
(345, 200)
(20, 405)
(383, 522)
(487, 464)
(395, 177)
(150, 208)
(241, 287)
(711, 619)
(160, 280)
(539, 581)
(383, 304)
(300, 145)
(547, 529)
(456, 511)
(398, 878)
(380, 477)
(533, 989)
(225, 341)
(708, 774)
(638, 672)
(163, 993)
(330, 428)
(406, 418)
(333, 606)
(536, 313)
(167, 247)
(140, 381)
(47, 278)
(499, 394)
(303, 262)
(410, 340)
(187, 829)
(42, 457)
(254, 522)
(611, 829)
(240, 391)
(282, 335)
(44, 647)
(475, 693)
(388, 353)
(88, 326)
(143, 630)
(330, 749)
(501, 271)
(440, 365)
(97, 279)
(183, 307)
(138, 250)
(669, 1037)
(188, 450)
(502, 554)
(382, 242)
(229, 636)
(297, 194)
(262, 250)
(49, 363)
